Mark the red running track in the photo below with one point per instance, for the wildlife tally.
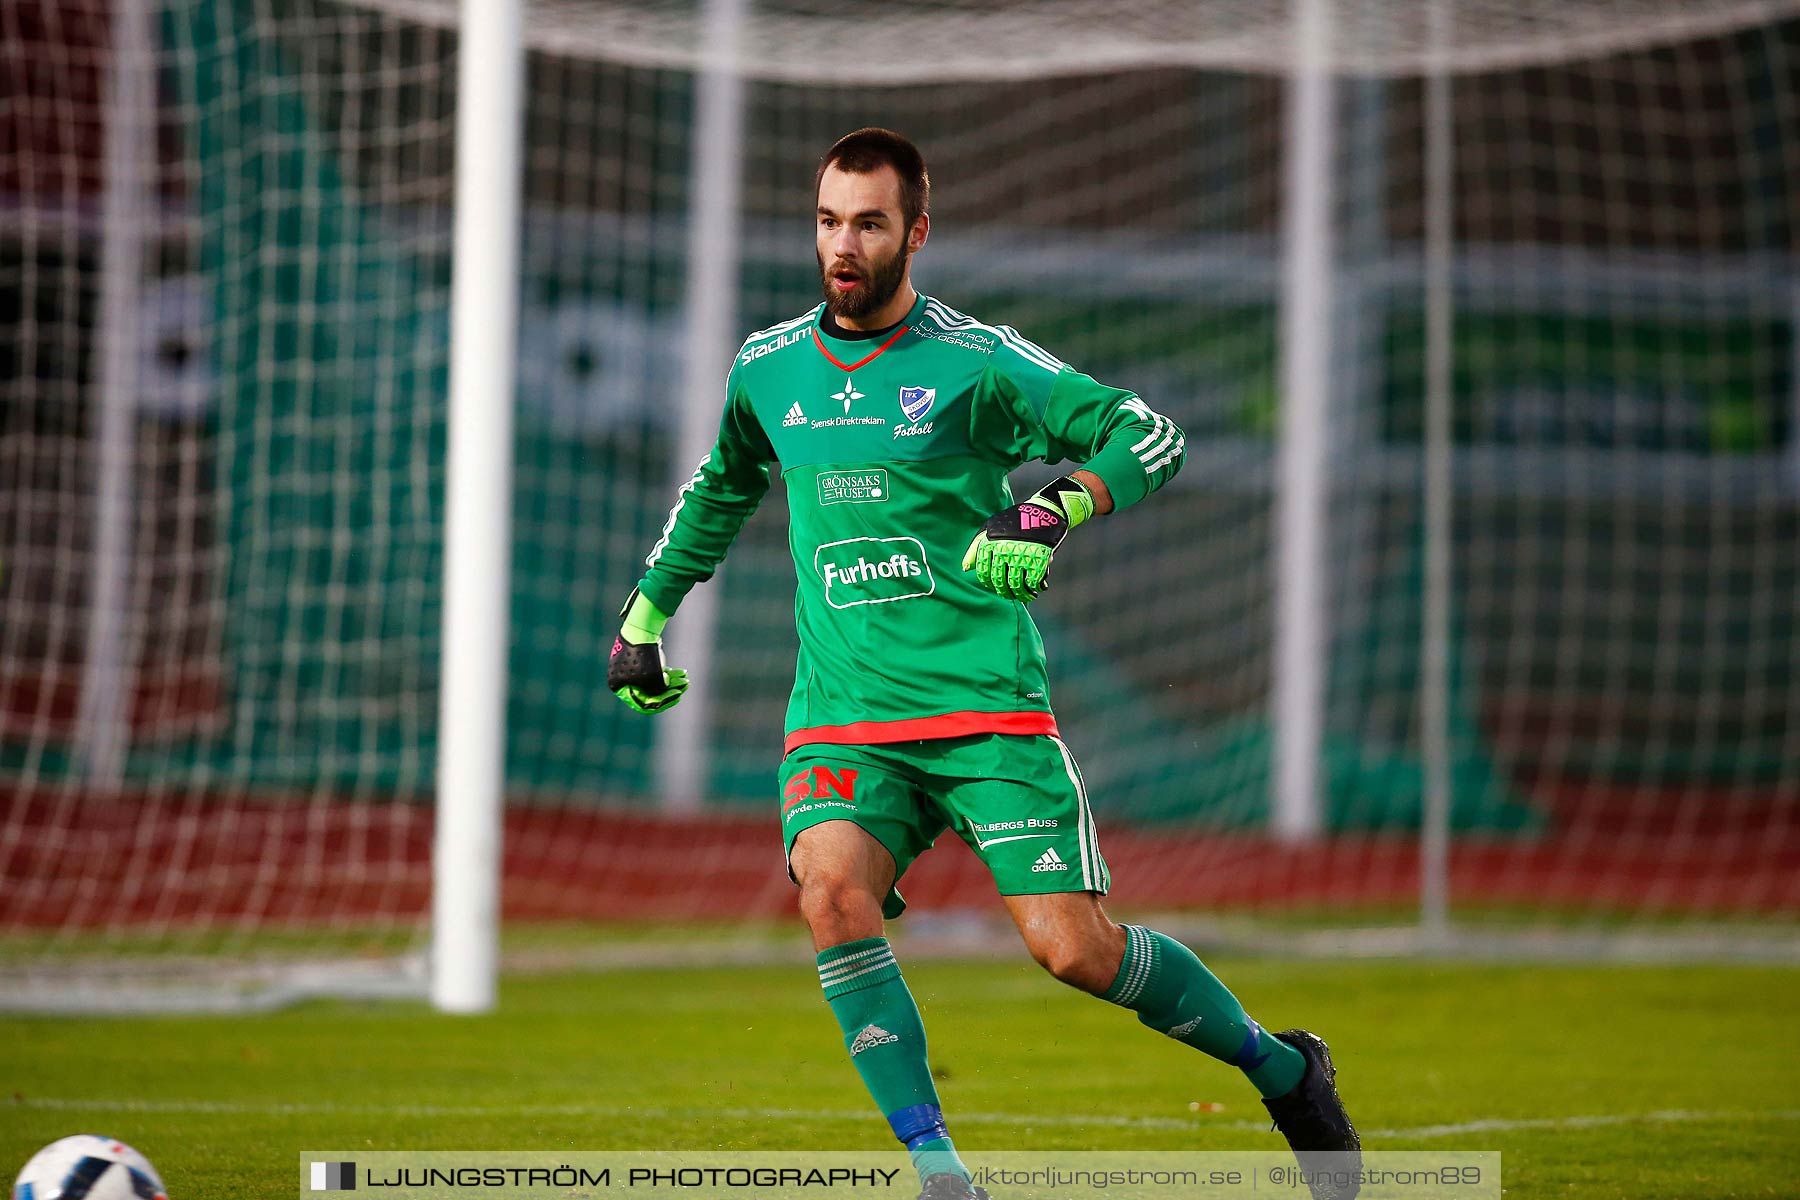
(69, 860)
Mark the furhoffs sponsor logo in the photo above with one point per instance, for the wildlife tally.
(870, 570)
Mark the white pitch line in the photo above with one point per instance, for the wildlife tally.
(1491, 1125)
(583, 1110)
(1667, 1116)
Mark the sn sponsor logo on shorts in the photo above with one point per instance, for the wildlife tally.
(873, 571)
(818, 787)
(818, 783)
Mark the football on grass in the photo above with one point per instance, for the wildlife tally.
(90, 1166)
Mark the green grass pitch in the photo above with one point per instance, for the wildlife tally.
(1639, 1082)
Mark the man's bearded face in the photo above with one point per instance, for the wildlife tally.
(855, 288)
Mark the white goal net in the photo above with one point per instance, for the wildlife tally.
(225, 253)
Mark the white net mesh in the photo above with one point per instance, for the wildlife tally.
(1625, 689)
(806, 41)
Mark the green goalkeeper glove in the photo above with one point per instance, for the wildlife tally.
(1011, 554)
(636, 672)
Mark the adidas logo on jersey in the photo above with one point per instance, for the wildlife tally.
(794, 416)
(872, 1035)
(1050, 860)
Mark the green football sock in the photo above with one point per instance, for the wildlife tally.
(886, 1041)
(1172, 992)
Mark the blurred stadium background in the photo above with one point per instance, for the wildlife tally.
(1472, 622)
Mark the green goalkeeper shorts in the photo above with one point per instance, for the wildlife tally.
(1018, 802)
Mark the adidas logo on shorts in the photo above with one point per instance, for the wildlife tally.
(872, 1035)
(794, 416)
(1050, 860)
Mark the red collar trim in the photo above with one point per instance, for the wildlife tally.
(872, 356)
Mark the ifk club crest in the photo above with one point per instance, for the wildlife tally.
(915, 402)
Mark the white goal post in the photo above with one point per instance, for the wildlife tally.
(465, 873)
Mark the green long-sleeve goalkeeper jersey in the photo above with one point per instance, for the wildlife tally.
(894, 451)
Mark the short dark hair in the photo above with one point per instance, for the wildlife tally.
(871, 149)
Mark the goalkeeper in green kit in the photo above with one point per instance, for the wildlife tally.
(921, 701)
